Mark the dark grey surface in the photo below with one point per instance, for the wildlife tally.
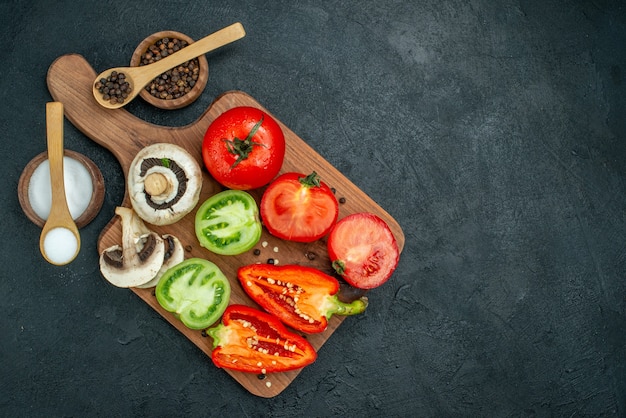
(494, 132)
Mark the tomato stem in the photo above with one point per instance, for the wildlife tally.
(339, 267)
(312, 180)
(243, 147)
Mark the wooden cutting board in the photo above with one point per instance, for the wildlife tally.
(69, 80)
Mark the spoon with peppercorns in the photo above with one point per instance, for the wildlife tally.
(116, 87)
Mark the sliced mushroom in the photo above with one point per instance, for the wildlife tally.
(174, 254)
(140, 256)
(164, 183)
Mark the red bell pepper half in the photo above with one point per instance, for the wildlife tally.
(253, 341)
(303, 298)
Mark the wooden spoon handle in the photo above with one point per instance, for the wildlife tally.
(54, 132)
(208, 43)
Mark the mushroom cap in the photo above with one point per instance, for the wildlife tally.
(140, 256)
(174, 254)
(174, 179)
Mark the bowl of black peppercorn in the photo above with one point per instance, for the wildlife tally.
(179, 86)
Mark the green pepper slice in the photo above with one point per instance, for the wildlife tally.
(196, 291)
(228, 223)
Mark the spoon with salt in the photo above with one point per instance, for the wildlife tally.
(139, 77)
(59, 242)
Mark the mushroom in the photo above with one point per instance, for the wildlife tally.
(174, 254)
(140, 256)
(164, 183)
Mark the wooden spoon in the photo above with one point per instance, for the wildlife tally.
(60, 241)
(139, 77)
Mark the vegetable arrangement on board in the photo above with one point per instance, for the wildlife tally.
(243, 149)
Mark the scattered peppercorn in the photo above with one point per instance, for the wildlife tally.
(261, 376)
(257, 251)
(114, 88)
(203, 333)
(270, 261)
(332, 189)
(342, 200)
(311, 255)
(176, 82)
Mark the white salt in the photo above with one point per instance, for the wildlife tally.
(78, 188)
(60, 245)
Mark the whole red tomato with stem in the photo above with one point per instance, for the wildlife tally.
(299, 207)
(363, 250)
(243, 148)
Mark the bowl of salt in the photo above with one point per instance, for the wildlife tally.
(84, 188)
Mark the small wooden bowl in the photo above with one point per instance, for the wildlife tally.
(186, 99)
(97, 196)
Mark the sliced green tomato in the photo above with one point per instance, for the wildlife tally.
(228, 223)
(196, 291)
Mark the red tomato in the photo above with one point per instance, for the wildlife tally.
(243, 148)
(297, 207)
(363, 250)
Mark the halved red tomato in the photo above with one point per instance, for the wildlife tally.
(243, 148)
(363, 250)
(297, 207)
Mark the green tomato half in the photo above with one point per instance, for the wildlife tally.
(228, 223)
(196, 291)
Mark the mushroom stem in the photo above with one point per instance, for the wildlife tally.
(156, 184)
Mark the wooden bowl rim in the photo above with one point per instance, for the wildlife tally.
(197, 89)
(97, 196)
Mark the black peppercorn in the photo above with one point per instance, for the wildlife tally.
(114, 88)
(173, 83)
